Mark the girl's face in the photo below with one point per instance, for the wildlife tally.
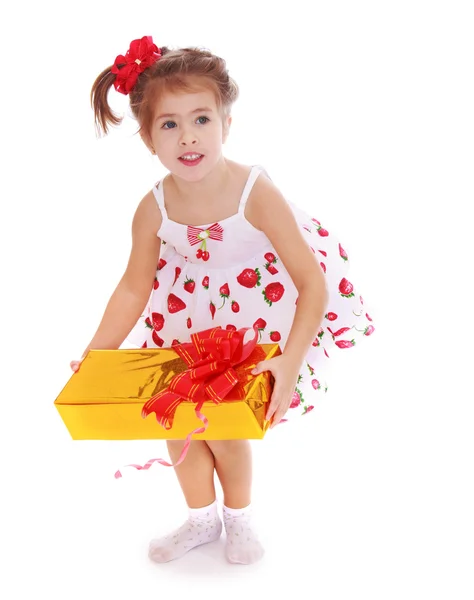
(188, 132)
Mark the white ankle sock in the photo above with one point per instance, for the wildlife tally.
(203, 526)
(242, 544)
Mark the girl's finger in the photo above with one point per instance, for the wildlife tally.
(274, 401)
(277, 418)
(280, 413)
(259, 368)
(270, 412)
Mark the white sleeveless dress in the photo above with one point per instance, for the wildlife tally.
(228, 274)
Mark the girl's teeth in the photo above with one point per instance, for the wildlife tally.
(191, 156)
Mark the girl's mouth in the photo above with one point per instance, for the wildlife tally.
(191, 159)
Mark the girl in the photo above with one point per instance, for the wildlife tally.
(215, 243)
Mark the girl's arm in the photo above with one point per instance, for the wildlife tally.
(269, 211)
(133, 290)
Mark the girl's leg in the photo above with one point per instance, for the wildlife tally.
(233, 462)
(196, 472)
(196, 478)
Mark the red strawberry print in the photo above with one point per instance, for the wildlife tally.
(271, 269)
(342, 252)
(323, 267)
(273, 292)
(260, 324)
(235, 306)
(205, 282)
(175, 304)
(275, 336)
(158, 321)
(331, 316)
(177, 273)
(345, 343)
(368, 330)
(189, 323)
(156, 284)
(315, 383)
(368, 317)
(156, 338)
(345, 288)
(308, 409)
(323, 252)
(296, 399)
(270, 257)
(322, 232)
(212, 308)
(189, 285)
(249, 278)
(161, 264)
(339, 332)
(224, 293)
(310, 369)
(316, 342)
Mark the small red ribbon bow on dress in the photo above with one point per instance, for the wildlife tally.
(141, 55)
(198, 235)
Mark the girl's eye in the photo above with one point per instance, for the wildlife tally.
(172, 124)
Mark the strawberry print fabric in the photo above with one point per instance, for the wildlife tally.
(229, 274)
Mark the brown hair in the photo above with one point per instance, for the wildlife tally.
(185, 69)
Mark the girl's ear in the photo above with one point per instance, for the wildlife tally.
(225, 131)
(146, 140)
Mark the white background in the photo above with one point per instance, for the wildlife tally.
(362, 113)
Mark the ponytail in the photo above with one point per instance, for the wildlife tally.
(103, 114)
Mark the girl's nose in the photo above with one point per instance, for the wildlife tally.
(188, 138)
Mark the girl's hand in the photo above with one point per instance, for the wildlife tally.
(286, 375)
(75, 364)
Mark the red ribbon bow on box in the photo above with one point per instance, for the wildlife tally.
(211, 357)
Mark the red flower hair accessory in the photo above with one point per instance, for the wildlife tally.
(141, 55)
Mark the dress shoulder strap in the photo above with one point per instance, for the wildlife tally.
(252, 178)
(160, 198)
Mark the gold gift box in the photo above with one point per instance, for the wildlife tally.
(104, 399)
